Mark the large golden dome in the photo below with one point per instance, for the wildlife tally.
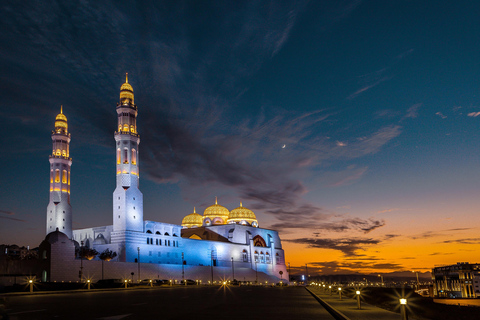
(192, 220)
(126, 92)
(216, 214)
(242, 215)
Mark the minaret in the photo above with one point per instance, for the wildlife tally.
(127, 198)
(59, 210)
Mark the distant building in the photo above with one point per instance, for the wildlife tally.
(227, 240)
(461, 280)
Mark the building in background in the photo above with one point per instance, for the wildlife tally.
(461, 280)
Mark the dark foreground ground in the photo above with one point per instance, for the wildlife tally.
(203, 302)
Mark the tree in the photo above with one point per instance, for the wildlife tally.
(87, 253)
(107, 255)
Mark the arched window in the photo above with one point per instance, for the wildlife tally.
(125, 127)
(57, 175)
(258, 241)
(134, 156)
(118, 156)
(64, 153)
(132, 129)
(148, 231)
(244, 255)
(64, 176)
(125, 154)
(59, 152)
(119, 127)
(51, 176)
(158, 232)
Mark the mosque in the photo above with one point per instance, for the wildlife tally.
(220, 238)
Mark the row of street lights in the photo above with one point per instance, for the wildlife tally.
(403, 301)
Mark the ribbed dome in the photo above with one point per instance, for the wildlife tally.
(216, 213)
(240, 214)
(192, 220)
(126, 92)
(61, 120)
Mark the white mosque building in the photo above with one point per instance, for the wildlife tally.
(219, 239)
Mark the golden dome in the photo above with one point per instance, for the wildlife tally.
(216, 213)
(61, 121)
(192, 220)
(126, 92)
(240, 214)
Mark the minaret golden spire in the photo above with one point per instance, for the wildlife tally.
(194, 210)
(241, 204)
(126, 77)
(61, 109)
(216, 200)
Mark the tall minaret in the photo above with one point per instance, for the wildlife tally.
(59, 210)
(127, 198)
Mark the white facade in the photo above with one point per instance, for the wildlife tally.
(245, 247)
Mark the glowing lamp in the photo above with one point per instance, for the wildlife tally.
(403, 301)
(357, 292)
(224, 282)
(339, 289)
(30, 281)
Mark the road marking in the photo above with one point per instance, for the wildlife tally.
(116, 317)
(29, 311)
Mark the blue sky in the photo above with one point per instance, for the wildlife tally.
(375, 102)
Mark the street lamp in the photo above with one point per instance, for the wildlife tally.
(381, 277)
(88, 284)
(80, 274)
(233, 270)
(340, 292)
(126, 281)
(138, 249)
(330, 288)
(30, 282)
(358, 299)
(403, 308)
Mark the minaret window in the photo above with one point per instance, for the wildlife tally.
(118, 156)
(57, 175)
(59, 152)
(134, 156)
(125, 160)
(125, 127)
(64, 153)
(64, 176)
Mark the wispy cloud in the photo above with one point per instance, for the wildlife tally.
(412, 112)
(441, 115)
(346, 245)
(474, 114)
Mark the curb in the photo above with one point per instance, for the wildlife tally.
(334, 312)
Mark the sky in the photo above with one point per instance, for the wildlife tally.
(351, 127)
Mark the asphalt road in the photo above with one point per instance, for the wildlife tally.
(192, 302)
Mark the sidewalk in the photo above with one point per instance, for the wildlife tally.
(349, 308)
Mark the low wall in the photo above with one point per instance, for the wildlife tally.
(459, 302)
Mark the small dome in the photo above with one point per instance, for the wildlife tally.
(61, 121)
(56, 236)
(218, 214)
(241, 215)
(100, 239)
(126, 92)
(192, 220)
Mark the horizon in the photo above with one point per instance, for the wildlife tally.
(350, 128)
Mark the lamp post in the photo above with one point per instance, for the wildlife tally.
(403, 308)
(323, 288)
(358, 299)
(80, 274)
(138, 249)
(330, 289)
(340, 292)
(381, 277)
(211, 264)
(256, 272)
(88, 284)
(30, 282)
(289, 271)
(126, 281)
(233, 270)
(183, 269)
(306, 273)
